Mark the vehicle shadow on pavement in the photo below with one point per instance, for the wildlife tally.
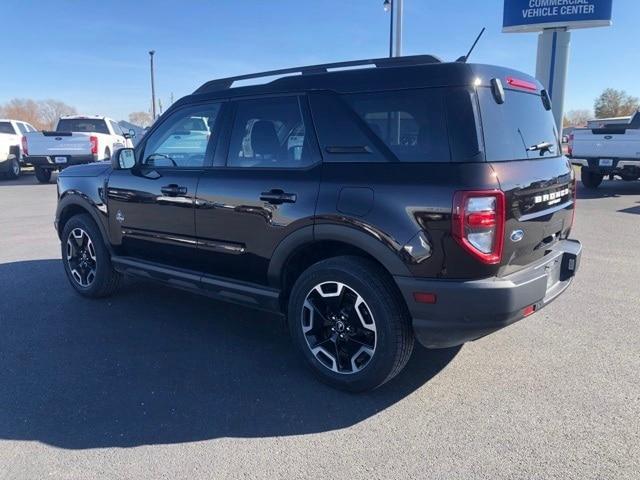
(609, 188)
(154, 366)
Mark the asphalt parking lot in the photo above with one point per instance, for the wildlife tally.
(156, 383)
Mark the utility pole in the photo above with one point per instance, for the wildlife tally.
(153, 87)
(395, 26)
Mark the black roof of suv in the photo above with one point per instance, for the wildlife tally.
(371, 206)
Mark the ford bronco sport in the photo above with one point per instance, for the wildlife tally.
(414, 199)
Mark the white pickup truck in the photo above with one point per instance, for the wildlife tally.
(612, 149)
(77, 139)
(11, 139)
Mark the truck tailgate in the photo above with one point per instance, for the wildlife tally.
(58, 143)
(587, 144)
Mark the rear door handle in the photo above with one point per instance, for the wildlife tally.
(174, 190)
(277, 196)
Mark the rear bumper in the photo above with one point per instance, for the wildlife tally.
(617, 164)
(467, 310)
(50, 161)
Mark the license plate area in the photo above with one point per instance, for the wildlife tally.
(606, 162)
(59, 160)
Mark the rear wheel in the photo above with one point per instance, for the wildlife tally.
(350, 324)
(43, 175)
(14, 168)
(590, 179)
(86, 259)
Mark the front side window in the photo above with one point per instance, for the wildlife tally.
(182, 140)
(116, 128)
(270, 132)
(411, 123)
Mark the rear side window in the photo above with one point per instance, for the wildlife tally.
(516, 125)
(6, 127)
(270, 133)
(411, 123)
(22, 127)
(82, 125)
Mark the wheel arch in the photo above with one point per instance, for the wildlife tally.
(310, 245)
(74, 204)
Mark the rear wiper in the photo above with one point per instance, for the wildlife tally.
(541, 147)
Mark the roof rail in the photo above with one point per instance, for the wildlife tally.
(224, 83)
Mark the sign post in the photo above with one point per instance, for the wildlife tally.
(554, 19)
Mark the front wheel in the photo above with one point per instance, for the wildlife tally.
(86, 259)
(43, 175)
(590, 179)
(350, 323)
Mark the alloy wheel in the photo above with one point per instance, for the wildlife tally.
(339, 327)
(81, 257)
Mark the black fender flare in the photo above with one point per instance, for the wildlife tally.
(383, 250)
(77, 199)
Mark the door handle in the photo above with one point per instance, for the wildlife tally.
(277, 196)
(174, 190)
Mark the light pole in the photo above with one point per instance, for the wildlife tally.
(395, 26)
(153, 87)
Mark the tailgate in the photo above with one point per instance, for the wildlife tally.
(593, 144)
(539, 196)
(58, 143)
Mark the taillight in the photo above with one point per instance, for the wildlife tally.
(575, 191)
(478, 223)
(25, 147)
(94, 145)
(570, 145)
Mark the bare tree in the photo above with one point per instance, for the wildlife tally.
(140, 118)
(51, 110)
(23, 109)
(577, 118)
(615, 103)
(42, 114)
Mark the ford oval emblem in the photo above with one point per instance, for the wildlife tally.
(58, 138)
(517, 235)
(608, 137)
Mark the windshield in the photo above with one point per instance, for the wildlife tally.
(82, 125)
(6, 127)
(519, 129)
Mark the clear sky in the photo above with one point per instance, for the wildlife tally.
(93, 54)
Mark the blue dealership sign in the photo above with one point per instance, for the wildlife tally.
(536, 15)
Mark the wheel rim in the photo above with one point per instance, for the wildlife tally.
(339, 327)
(81, 257)
(16, 168)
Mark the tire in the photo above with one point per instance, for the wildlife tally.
(14, 168)
(86, 259)
(377, 343)
(43, 175)
(591, 180)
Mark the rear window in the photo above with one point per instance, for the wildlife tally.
(411, 123)
(6, 127)
(82, 125)
(517, 124)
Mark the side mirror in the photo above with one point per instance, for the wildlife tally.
(132, 133)
(124, 159)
